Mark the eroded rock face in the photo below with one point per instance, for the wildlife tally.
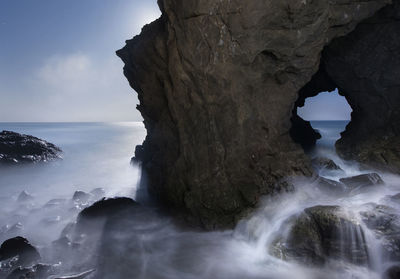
(17, 148)
(365, 67)
(217, 83)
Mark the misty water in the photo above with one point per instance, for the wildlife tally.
(148, 244)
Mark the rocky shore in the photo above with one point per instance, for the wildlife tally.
(19, 149)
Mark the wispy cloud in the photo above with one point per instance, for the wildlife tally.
(75, 87)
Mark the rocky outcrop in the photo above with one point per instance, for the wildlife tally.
(17, 148)
(362, 181)
(217, 83)
(321, 233)
(21, 248)
(365, 67)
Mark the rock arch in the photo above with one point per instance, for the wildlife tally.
(217, 82)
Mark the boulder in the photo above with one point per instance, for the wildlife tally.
(108, 208)
(24, 196)
(392, 273)
(330, 186)
(384, 221)
(19, 246)
(81, 197)
(325, 163)
(97, 214)
(362, 181)
(322, 233)
(18, 148)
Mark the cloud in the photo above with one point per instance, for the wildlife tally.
(73, 87)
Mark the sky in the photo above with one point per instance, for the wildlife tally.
(58, 62)
(326, 106)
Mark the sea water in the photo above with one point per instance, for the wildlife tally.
(98, 155)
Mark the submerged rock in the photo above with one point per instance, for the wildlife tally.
(17, 148)
(362, 181)
(330, 186)
(24, 196)
(39, 271)
(322, 233)
(81, 197)
(21, 248)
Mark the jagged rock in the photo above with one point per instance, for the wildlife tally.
(19, 246)
(24, 196)
(331, 186)
(17, 148)
(365, 66)
(303, 133)
(362, 181)
(325, 163)
(321, 233)
(81, 197)
(217, 83)
(385, 222)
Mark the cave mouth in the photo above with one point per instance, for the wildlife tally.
(320, 119)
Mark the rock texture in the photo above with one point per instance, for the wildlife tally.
(217, 83)
(322, 233)
(17, 148)
(365, 67)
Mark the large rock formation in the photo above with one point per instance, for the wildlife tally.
(365, 67)
(217, 83)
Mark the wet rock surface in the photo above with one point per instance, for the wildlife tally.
(217, 84)
(17, 148)
(385, 222)
(21, 248)
(331, 186)
(362, 181)
(325, 163)
(322, 233)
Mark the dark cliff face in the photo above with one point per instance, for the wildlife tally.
(366, 67)
(217, 83)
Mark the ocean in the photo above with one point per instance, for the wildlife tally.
(152, 246)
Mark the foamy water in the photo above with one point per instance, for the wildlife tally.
(151, 246)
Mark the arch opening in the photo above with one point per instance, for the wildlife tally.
(320, 119)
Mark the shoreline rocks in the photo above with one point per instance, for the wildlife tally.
(18, 149)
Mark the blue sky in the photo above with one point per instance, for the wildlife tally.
(58, 63)
(326, 106)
